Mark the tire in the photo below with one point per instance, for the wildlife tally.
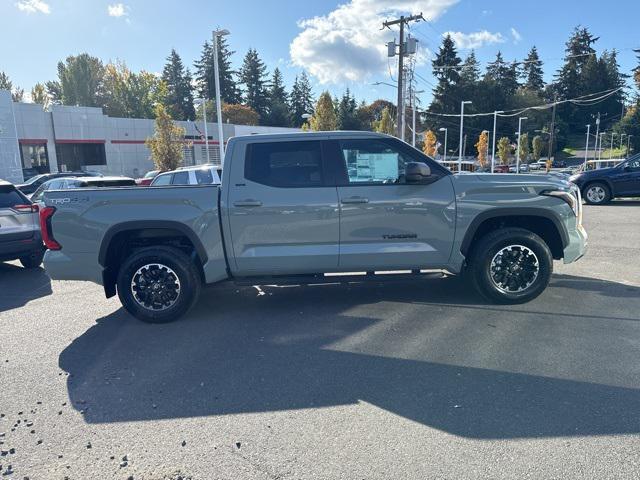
(158, 284)
(488, 266)
(33, 260)
(596, 193)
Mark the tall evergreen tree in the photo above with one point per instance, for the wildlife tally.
(578, 50)
(446, 71)
(278, 101)
(253, 75)
(470, 73)
(532, 71)
(503, 74)
(205, 73)
(302, 101)
(325, 117)
(348, 112)
(177, 78)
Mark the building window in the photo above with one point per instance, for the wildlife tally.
(188, 156)
(214, 154)
(72, 157)
(35, 160)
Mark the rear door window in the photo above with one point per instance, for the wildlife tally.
(180, 178)
(285, 164)
(204, 177)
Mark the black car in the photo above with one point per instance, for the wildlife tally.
(33, 183)
(601, 185)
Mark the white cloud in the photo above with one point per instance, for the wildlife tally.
(348, 44)
(33, 6)
(516, 35)
(475, 39)
(118, 10)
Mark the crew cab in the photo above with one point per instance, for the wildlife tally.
(601, 185)
(293, 208)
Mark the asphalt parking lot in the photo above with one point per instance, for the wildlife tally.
(404, 380)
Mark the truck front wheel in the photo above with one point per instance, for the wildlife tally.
(158, 284)
(510, 265)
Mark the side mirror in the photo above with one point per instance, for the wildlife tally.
(417, 172)
(627, 168)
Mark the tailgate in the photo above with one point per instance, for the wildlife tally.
(16, 221)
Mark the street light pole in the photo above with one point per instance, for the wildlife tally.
(519, 136)
(216, 37)
(600, 149)
(462, 104)
(444, 153)
(203, 102)
(493, 148)
(586, 148)
(611, 150)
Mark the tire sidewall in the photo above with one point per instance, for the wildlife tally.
(491, 248)
(604, 186)
(32, 260)
(176, 261)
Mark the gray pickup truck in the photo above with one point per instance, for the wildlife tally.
(305, 208)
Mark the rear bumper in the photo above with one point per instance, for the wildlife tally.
(79, 266)
(18, 248)
(577, 245)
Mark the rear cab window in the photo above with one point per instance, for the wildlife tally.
(285, 164)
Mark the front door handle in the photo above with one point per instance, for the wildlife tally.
(247, 203)
(355, 200)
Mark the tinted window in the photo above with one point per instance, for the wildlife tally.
(634, 164)
(162, 180)
(284, 164)
(9, 197)
(204, 177)
(374, 161)
(180, 178)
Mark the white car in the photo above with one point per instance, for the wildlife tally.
(198, 175)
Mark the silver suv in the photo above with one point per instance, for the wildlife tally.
(197, 175)
(20, 236)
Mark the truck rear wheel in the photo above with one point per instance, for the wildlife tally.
(158, 284)
(510, 265)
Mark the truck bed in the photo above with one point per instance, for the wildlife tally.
(85, 221)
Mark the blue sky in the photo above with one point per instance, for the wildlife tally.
(339, 43)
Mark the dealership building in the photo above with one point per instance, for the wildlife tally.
(34, 141)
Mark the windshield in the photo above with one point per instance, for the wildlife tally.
(151, 174)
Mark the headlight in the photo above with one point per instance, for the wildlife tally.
(573, 200)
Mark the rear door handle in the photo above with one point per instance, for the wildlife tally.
(247, 203)
(355, 200)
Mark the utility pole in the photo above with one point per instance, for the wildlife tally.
(462, 137)
(401, 52)
(403, 125)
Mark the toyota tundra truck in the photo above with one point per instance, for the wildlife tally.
(309, 208)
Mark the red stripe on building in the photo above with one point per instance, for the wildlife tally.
(142, 142)
(80, 141)
(32, 141)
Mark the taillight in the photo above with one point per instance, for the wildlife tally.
(45, 227)
(26, 208)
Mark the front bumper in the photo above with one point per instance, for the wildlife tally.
(577, 245)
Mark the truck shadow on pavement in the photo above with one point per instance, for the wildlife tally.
(474, 370)
(19, 286)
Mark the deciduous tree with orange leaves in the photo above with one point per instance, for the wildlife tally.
(430, 144)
